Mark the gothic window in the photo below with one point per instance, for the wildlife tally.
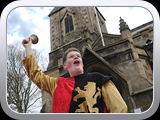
(68, 23)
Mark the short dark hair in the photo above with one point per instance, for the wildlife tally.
(68, 51)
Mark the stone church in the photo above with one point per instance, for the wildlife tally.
(128, 57)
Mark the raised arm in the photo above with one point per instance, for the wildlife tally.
(44, 82)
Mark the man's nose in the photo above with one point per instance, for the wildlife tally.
(76, 57)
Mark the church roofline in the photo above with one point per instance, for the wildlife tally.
(104, 61)
(100, 13)
(141, 26)
(55, 9)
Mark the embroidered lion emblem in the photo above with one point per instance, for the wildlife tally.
(90, 94)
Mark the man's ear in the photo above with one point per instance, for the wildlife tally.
(64, 66)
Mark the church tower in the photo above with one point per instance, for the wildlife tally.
(69, 24)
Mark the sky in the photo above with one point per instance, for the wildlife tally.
(24, 21)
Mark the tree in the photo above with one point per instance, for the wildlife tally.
(22, 94)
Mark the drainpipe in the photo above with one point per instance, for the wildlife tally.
(60, 30)
(99, 27)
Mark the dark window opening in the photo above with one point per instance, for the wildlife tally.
(68, 23)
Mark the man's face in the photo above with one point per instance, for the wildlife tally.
(74, 63)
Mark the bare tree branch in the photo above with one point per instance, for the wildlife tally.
(22, 94)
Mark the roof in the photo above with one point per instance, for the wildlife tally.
(55, 9)
(141, 26)
(109, 66)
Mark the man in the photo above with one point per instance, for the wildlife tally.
(79, 93)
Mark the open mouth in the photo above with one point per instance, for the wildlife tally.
(76, 62)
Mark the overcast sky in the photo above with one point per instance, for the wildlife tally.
(24, 21)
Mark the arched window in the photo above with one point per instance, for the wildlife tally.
(68, 23)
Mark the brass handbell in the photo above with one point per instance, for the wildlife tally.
(34, 38)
